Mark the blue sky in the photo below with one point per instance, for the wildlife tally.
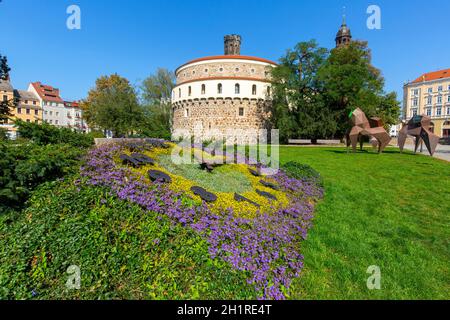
(135, 37)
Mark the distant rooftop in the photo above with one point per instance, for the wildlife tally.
(5, 85)
(431, 76)
(47, 93)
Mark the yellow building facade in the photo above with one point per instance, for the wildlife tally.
(27, 108)
(429, 95)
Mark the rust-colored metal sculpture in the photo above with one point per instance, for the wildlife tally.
(419, 127)
(362, 126)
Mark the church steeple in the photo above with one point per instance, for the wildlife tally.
(344, 35)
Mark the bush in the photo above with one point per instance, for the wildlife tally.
(23, 167)
(3, 134)
(44, 134)
(302, 172)
(123, 251)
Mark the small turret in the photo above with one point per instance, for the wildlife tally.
(232, 44)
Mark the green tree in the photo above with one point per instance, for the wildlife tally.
(113, 105)
(5, 106)
(351, 81)
(157, 107)
(298, 106)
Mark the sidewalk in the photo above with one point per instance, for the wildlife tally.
(442, 151)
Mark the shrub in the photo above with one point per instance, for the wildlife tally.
(23, 167)
(302, 172)
(123, 252)
(3, 134)
(44, 134)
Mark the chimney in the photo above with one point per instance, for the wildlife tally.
(232, 44)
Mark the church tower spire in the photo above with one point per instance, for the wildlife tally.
(344, 35)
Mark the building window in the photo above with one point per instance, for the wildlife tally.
(19, 110)
(430, 90)
(56, 121)
(237, 88)
(36, 121)
(186, 113)
(28, 120)
(34, 103)
(5, 98)
(269, 90)
(414, 112)
(203, 88)
(438, 111)
(189, 91)
(415, 102)
(429, 112)
(237, 69)
(439, 99)
(179, 93)
(448, 99)
(440, 88)
(415, 92)
(206, 70)
(448, 111)
(429, 100)
(253, 71)
(241, 111)
(221, 69)
(57, 113)
(254, 89)
(219, 89)
(36, 112)
(28, 111)
(51, 113)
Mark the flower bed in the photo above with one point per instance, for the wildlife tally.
(263, 241)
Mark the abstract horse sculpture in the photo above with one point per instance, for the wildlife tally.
(418, 127)
(364, 127)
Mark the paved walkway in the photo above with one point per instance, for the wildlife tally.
(442, 152)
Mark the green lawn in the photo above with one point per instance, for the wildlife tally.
(391, 210)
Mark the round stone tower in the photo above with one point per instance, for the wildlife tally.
(218, 95)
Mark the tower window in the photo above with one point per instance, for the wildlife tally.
(179, 93)
(219, 88)
(189, 91)
(254, 89)
(237, 88)
(203, 88)
(269, 91)
(241, 111)
(186, 112)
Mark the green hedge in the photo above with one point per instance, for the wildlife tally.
(302, 172)
(123, 252)
(44, 134)
(24, 166)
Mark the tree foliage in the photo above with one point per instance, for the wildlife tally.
(113, 105)
(314, 91)
(299, 107)
(5, 106)
(157, 107)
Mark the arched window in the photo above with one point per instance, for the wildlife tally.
(254, 89)
(237, 88)
(203, 89)
(189, 91)
(269, 91)
(179, 93)
(219, 88)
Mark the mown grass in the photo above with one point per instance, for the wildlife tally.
(390, 210)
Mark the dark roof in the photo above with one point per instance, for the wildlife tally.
(5, 85)
(344, 31)
(26, 95)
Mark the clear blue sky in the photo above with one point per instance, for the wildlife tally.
(135, 37)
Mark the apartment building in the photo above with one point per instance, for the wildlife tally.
(429, 95)
(51, 102)
(74, 116)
